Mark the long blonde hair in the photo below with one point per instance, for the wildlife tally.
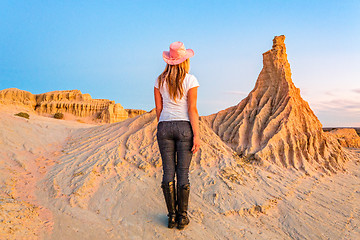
(174, 76)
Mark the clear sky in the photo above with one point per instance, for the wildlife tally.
(113, 49)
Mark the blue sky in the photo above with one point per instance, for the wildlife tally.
(113, 49)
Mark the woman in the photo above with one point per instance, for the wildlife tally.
(175, 94)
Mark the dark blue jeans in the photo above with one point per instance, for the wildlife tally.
(175, 139)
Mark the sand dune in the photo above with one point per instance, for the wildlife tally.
(28, 149)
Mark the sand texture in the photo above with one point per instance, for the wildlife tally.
(253, 177)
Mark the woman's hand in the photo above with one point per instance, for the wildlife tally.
(196, 144)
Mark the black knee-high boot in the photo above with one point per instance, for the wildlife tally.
(182, 200)
(170, 199)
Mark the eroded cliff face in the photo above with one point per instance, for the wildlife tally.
(81, 105)
(135, 112)
(14, 96)
(274, 124)
(347, 137)
(68, 102)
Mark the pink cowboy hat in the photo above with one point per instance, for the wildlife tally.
(177, 54)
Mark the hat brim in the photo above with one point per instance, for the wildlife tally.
(172, 61)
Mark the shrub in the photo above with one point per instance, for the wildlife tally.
(22, 114)
(58, 115)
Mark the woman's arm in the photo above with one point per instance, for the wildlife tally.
(194, 117)
(158, 102)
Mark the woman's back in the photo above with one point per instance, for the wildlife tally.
(176, 110)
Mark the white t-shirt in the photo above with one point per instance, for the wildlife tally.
(174, 111)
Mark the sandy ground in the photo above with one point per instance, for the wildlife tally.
(68, 180)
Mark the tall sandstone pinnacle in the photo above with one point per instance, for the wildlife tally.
(273, 124)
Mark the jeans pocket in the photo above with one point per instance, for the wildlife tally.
(186, 132)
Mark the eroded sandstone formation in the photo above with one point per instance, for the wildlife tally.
(81, 105)
(68, 102)
(347, 137)
(273, 124)
(135, 112)
(14, 96)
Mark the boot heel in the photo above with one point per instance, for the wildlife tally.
(172, 221)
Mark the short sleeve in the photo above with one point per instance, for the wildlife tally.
(156, 83)
(193, 82)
